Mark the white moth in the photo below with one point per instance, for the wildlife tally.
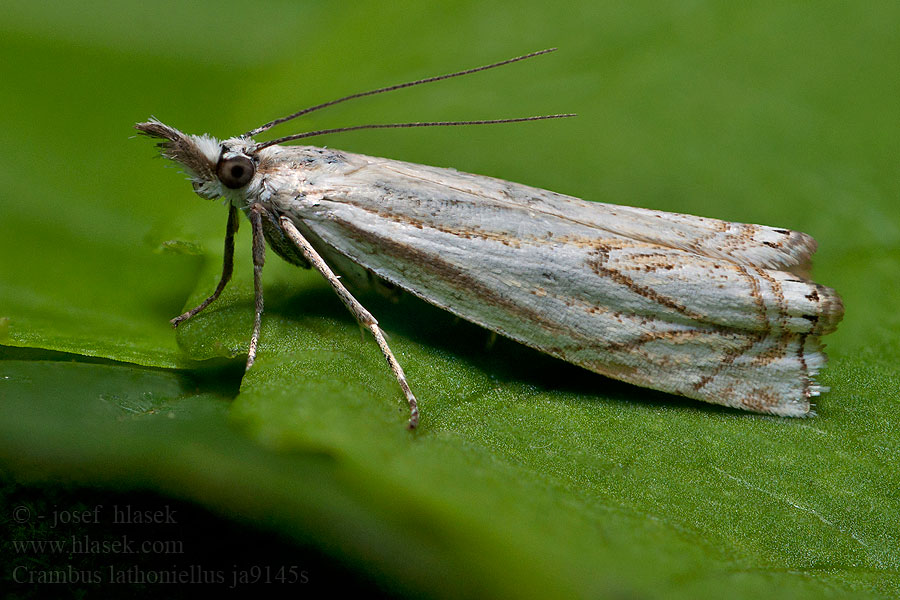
(717, 311)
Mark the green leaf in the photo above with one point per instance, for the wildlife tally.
(528, 477)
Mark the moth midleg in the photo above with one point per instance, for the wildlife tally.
(259, 259)
(227, 267)
(362, 315)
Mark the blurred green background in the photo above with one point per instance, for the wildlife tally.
(527, 477)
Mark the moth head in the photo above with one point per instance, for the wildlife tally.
(215, 168)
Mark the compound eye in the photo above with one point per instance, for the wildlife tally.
(235, 172)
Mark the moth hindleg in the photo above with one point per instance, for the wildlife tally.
(362, 315)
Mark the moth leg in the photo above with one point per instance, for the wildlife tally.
(227, 267)
(259, 259)
(362, 315)
(491, 340)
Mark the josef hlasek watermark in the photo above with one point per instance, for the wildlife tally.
(66, 550)
(116, 514)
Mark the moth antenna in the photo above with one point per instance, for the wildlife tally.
(391, 88)
(299, 136)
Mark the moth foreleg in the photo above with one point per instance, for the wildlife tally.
(259, 259)
(227, 267)
(362, 315)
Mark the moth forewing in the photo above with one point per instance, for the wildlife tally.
(589, 283)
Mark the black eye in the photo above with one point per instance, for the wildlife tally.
(235, 172)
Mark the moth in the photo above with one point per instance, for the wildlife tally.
(717, 311)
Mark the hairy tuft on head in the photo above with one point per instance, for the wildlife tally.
(197, 155)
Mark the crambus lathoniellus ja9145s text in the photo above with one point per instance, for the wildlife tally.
(712, 310)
